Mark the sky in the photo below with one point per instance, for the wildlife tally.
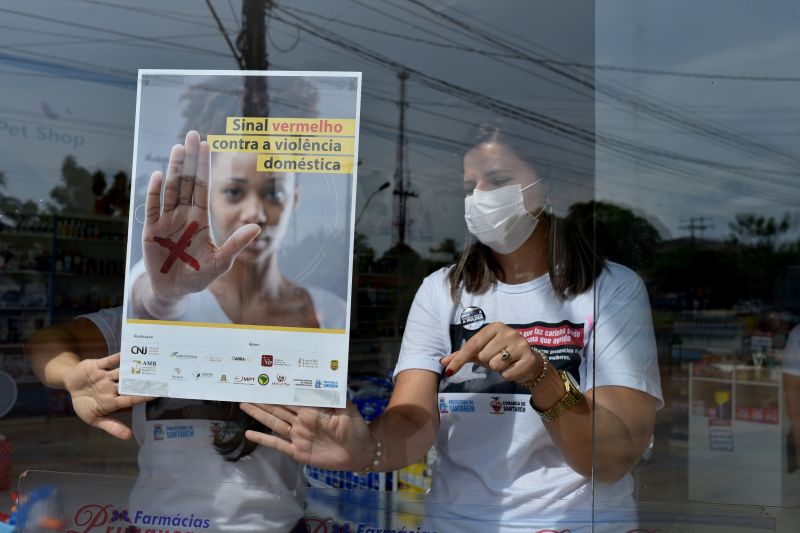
(695, 110)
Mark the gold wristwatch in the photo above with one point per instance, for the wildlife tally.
(572, 398)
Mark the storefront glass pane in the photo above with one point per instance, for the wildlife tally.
(697, 189)
(662, 131)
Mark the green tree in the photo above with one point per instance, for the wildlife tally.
(447, 248)
(750, 229)
(621, 235)
(75, 194)
(364, 253)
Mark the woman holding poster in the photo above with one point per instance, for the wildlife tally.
(530, 364)
(210, 245)
(194, 465)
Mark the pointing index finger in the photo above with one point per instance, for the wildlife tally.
(469, 351)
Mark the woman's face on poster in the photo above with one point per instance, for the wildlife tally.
(240, 195)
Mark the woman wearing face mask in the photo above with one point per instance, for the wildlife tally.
(530, 364)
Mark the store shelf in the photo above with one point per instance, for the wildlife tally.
(739, 424)
(25, 272)
(712, 380)
(758, 383)
(26, 234)
(74, 263)
(92, 240)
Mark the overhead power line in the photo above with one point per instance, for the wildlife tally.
(177, 46)
(537, 119)
(710, 131)
(224, 33)
(662, 162)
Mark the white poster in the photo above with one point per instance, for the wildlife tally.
(240, 246)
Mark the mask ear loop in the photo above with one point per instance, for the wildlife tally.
(528, 186)
(547, 204)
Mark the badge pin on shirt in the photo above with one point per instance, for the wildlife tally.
(472, 318)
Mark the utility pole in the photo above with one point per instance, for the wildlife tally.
(252, 45)
(401, 191)
(696, 224)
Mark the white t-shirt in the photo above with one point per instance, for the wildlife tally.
(791, 353)
(491, 444)
(330, 309)
(180, 472)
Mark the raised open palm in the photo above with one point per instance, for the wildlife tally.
(180, 254)
(336, 439)
(93, 386)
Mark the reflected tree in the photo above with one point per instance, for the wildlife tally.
(747, 266)
(622, 236)
(74, 194)
(447, 251)
(12, 210)
(758, 231)
(82, 191)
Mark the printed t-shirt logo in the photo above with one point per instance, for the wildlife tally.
(178, 431)
(545, 335)
(496, 405)
(457, 406)
(563, 342)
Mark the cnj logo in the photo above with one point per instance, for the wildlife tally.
(139, 350)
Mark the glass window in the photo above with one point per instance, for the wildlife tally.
(608, 187)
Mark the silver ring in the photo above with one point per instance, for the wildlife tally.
(505, 355)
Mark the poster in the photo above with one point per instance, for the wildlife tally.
(240, 242)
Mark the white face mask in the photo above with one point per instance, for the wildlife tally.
(498, 218)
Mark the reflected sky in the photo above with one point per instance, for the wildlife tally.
(696, 112)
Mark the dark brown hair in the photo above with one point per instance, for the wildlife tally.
(230, 442)
(572, 264)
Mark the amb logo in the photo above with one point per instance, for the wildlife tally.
(263, 379)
